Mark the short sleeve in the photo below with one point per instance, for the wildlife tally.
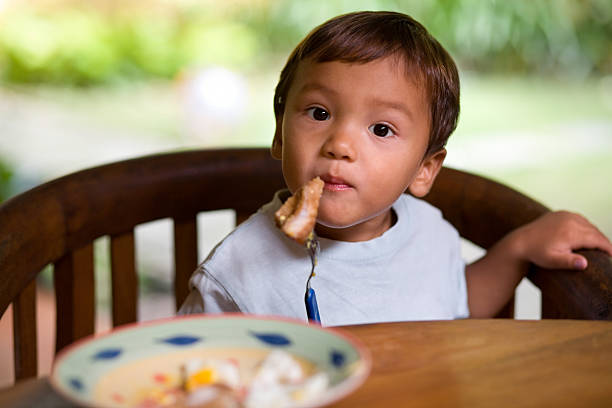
(207, 295)
(463, 311)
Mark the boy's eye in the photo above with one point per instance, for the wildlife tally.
(381, 130)
(318, 113)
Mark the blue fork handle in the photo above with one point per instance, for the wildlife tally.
(312, 310)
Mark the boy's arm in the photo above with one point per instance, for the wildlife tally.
(547, 242)
(207, 295)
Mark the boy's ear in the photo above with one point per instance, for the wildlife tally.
(427, 173)
(277, 143)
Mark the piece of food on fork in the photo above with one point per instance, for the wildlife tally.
(298, 215)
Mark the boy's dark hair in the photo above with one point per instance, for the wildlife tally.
(362, 37)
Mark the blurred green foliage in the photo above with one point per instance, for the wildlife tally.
(6, 175)
(84, 46)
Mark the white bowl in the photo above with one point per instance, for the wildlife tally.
(110, 370)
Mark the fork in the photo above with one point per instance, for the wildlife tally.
(312, 309)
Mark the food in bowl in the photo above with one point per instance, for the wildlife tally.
(246, 378)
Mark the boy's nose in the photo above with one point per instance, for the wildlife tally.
(340, 145)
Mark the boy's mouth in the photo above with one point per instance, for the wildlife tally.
(335, 183)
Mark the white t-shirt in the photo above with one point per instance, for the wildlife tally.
(414, 271)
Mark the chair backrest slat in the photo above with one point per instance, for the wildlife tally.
(241, 216)
(124, 279)
(507, 312)
(185, 256)
(24, 333)
(73, 275)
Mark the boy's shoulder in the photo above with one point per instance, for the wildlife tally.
(421, 223)
(421, 213)
(418, 204)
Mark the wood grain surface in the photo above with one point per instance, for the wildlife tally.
(486, 363)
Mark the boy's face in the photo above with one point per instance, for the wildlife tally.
(364, 129)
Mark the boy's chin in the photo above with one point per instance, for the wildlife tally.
(353, 229)
(335, 223)
(324, 225)
(342, 232)
(334, 227)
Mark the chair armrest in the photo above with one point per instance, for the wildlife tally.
(568, 294)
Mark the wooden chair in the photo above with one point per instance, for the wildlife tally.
(57, 222)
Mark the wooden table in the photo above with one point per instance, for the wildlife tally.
(490, 363)
(472, 363)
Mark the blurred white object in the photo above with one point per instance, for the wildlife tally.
(281, 382)
(214, 100)
(278, 367)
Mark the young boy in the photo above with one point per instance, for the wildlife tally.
(367, 102)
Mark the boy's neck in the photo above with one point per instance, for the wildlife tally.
(364, 231)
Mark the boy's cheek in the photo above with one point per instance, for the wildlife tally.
(297, 165)
(293, 177)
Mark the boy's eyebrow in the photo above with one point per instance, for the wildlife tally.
(398, 106)
(316, 86)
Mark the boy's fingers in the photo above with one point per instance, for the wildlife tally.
(566, 261)
(578, 262)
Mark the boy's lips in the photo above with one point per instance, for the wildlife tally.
(335, 183)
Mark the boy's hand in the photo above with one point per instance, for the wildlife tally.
(549, 240)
